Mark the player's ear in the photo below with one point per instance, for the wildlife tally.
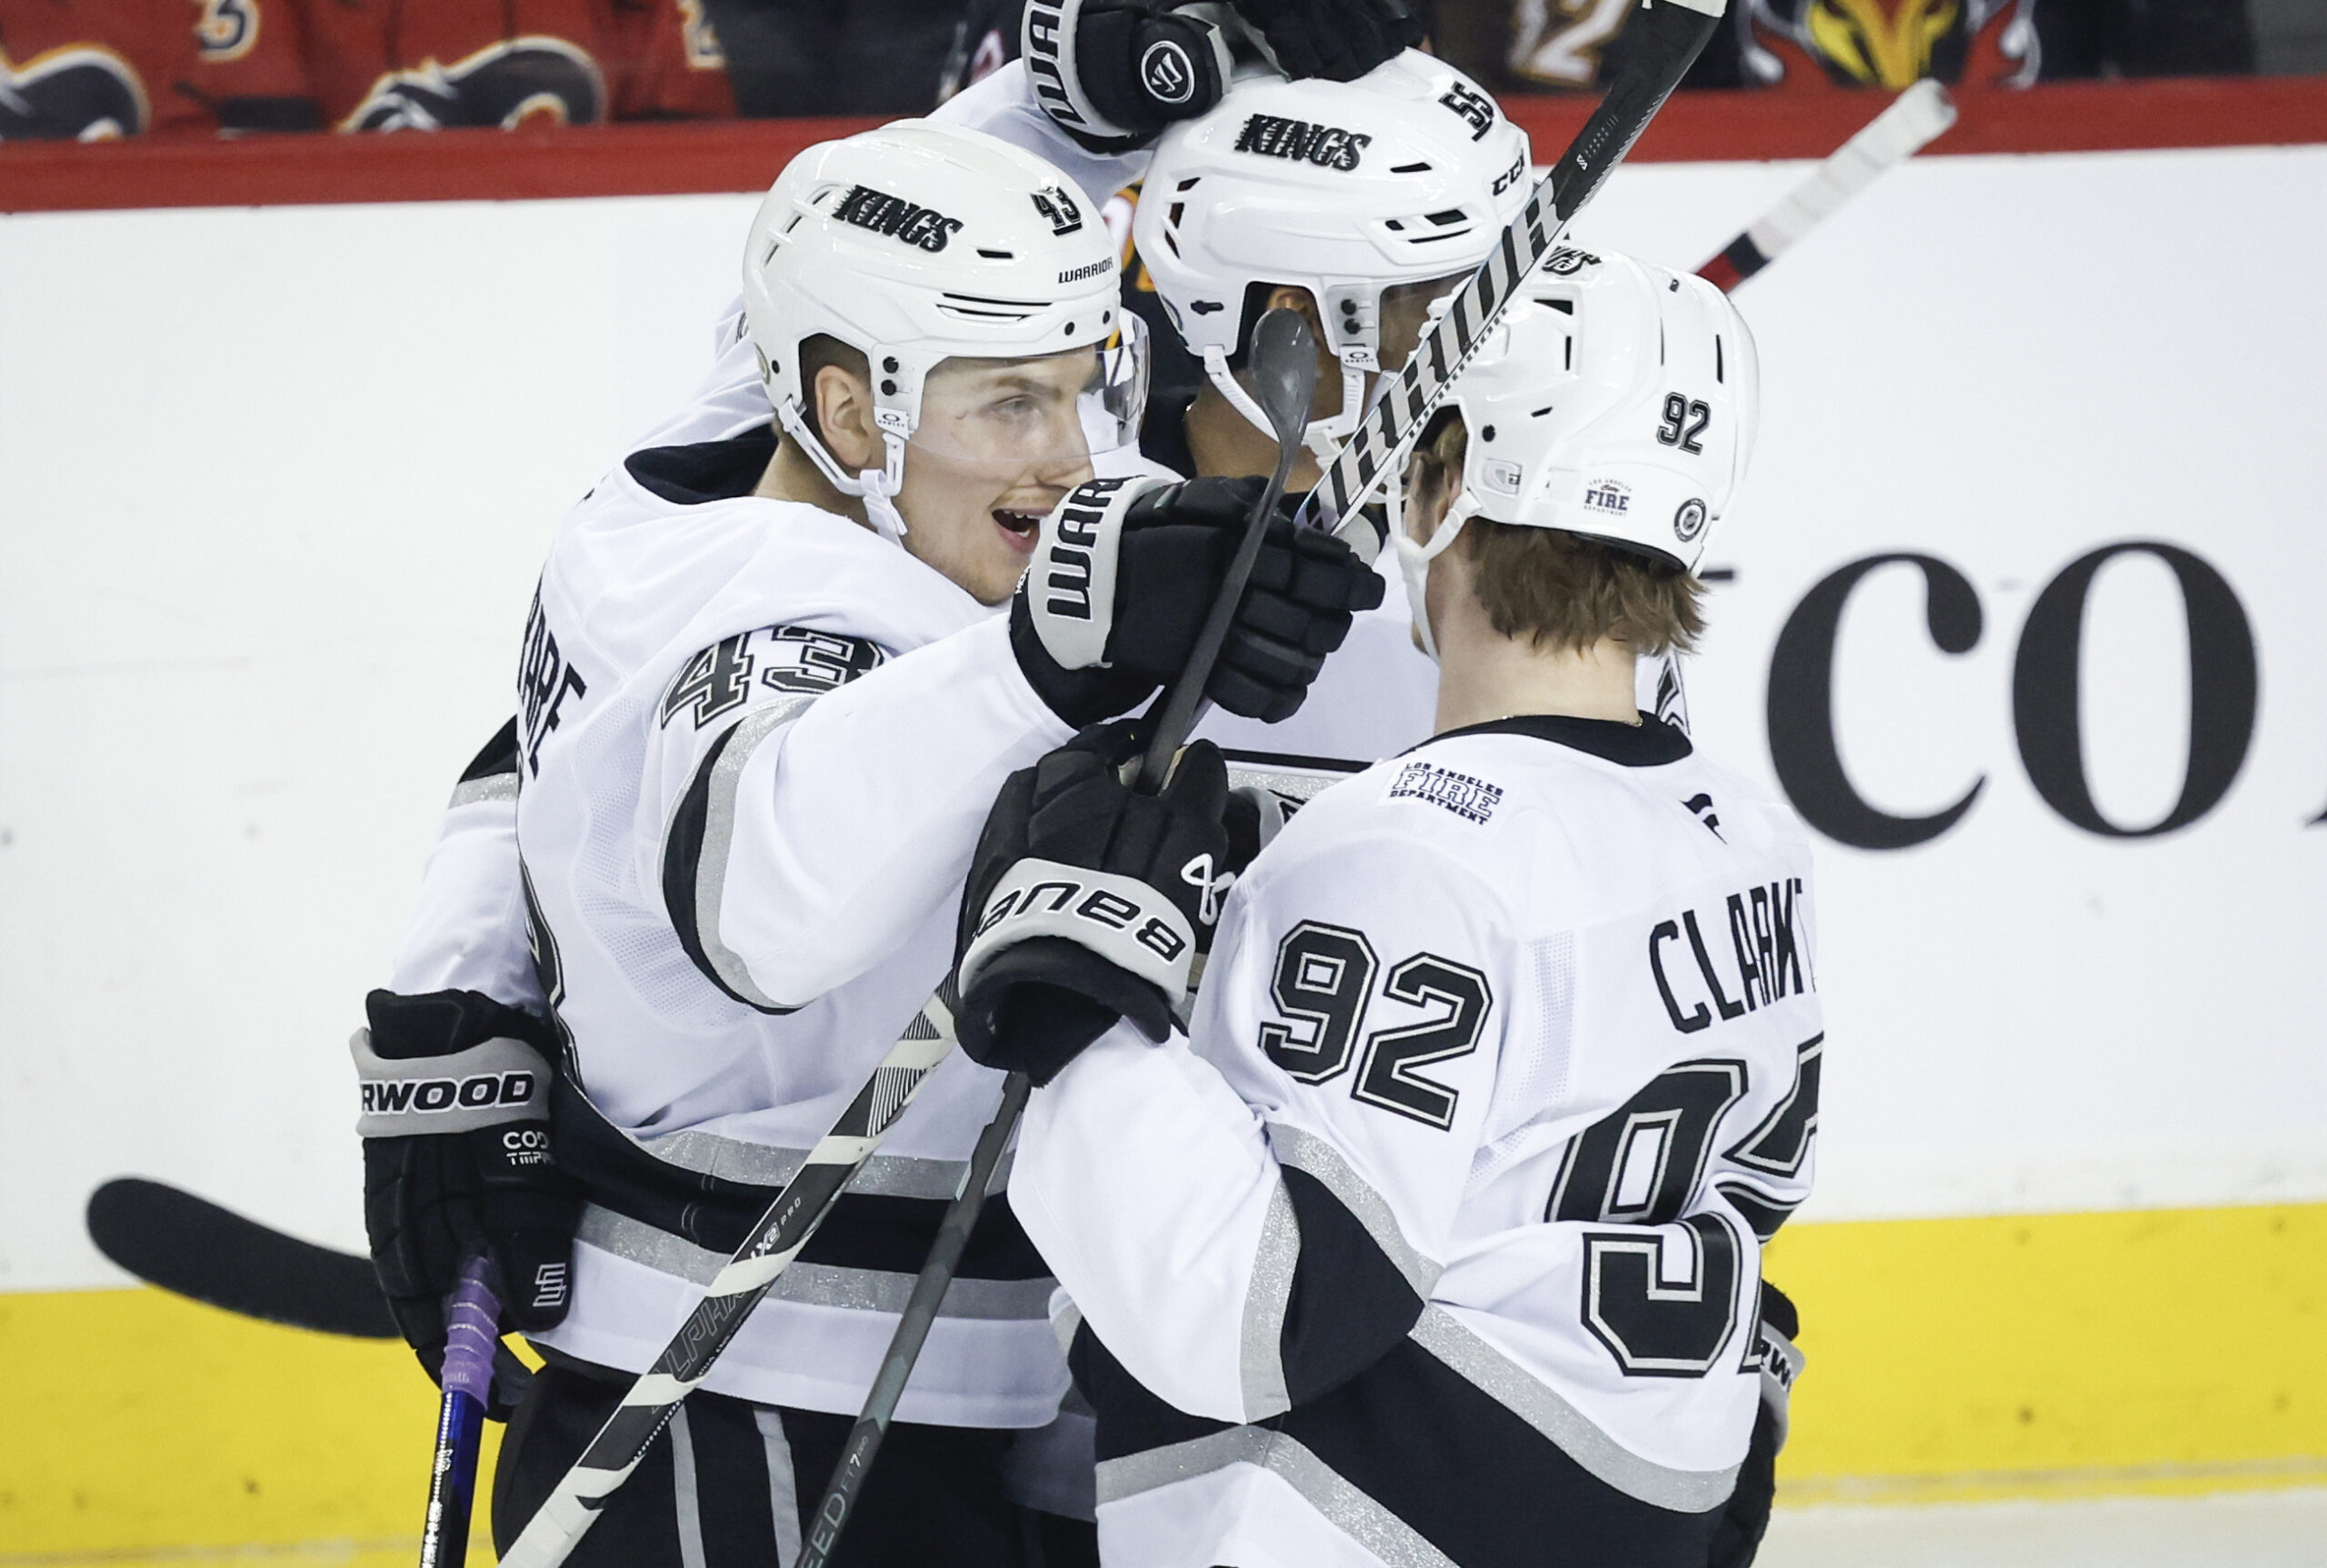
(845, 417)
(1286, 296)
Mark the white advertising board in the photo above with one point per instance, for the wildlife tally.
(273, 484)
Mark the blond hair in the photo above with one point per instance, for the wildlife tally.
(1559, 589)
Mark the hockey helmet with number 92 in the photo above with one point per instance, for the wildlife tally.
(919, 243)
(1614, 400)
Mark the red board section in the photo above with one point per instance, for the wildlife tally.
(746, 154)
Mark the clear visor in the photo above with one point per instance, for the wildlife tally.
(1055, 413)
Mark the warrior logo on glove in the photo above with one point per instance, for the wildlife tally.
(1169, 76)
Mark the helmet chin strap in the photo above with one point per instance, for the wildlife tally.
(1323, 438)
(880, 510)
(1414, 556)
(876, 487)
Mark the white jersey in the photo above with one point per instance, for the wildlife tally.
(725, 1111)
(756, 745)
(1440, 1242)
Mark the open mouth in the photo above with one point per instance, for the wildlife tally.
(1021, 524)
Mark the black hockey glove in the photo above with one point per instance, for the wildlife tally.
(1738, 1536)
(1114, 72)
(457, 1160)
(1338, 39)
(1084, 900)
(1125, 572)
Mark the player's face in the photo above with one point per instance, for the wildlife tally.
(1405, 311)
(1000, 442)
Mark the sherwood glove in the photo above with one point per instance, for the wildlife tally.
(1125, 572)
(457, 1160)
(1084, 898)
(1114, 72)
(1338, 39)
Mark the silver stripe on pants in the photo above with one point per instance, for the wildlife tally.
(1343, 1507)
(815, 1284)
(683, 1493)
(783, 1486)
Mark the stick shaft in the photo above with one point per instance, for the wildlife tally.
(1912, 121)
(839, 1501)
(472, 1317)
(784, 1227)
(1182, 706)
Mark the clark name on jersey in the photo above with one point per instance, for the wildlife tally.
(1438, 1239)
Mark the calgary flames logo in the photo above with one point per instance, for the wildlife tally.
(83, 92)
(1891, 43)
(513, 81)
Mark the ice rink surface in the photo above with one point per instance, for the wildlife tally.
(2286, 1529)
(2229, 1530)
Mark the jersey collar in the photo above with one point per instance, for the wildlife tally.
(1650, 743)
(707, 470)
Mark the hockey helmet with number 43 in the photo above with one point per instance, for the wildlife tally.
(1614, 400)
(919, 243)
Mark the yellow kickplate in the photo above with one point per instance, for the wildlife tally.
(2157, 1351)
(138, 1421)
(2029, 1356)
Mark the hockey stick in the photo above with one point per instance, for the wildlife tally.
(195, 1248)
(1284, 367)
(184, 1244)
(1666, 39)
(912, 1328)
(1915, 118)
(472, 1319)
(775, 1239)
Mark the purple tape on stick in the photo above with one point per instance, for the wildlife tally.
(472, 1316)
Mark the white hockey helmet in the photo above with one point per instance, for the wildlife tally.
(1347, 189)
(918, 243)
(1614, 400)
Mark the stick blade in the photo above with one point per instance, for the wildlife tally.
(195, 1248)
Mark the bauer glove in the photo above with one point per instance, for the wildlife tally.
(457, 1160)
(1084, 901)
(1126, 571)
(1738, 1534)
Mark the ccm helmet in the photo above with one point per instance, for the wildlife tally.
(918, 243)
(1614, 400)
(1347, 189)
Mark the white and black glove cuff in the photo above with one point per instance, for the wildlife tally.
(1114, 73)
(1782, 1362)
(1120, 919)
(489, 1084)
(1070, 589)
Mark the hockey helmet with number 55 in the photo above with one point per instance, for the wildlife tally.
(1407, 176)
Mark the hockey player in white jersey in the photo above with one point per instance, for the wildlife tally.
(764, 705)
(1435, 1240)
(1397, 186)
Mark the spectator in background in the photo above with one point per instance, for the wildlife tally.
(1813, 45)
(93, 69)
(884, 57)
(66, 74)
